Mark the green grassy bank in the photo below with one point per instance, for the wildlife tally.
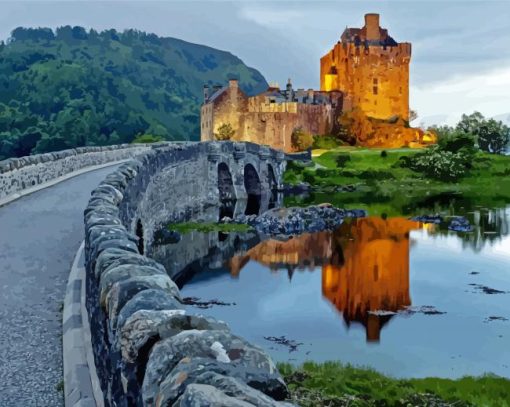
(382, 184)
(333, 384)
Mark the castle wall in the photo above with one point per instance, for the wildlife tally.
(255, 120)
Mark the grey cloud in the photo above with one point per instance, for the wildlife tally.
(450, 38)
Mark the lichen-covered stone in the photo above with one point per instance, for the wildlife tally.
(122, 291)
(152, 299)
(235, 388)
(189, 369)
(144, 324)
(113, 258)
(203, 395)
(128, 271)
(232, 354)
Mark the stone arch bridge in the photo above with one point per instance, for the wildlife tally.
(180, 180)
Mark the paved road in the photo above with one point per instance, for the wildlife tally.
(39, 235)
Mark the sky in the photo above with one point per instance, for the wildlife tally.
(461, 49)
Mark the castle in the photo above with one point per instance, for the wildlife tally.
(366, 70)
(372, 68)
(270, 117)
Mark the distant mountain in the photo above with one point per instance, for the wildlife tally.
(74, 87)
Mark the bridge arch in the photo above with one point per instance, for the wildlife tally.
(139, 234)
(225, 183)
(252, 180)
(253, 189)
(271, 178)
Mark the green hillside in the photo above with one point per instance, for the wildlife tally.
(74, 87)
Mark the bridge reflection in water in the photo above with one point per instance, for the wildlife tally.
(365, 266)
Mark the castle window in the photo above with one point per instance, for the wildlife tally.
(374, 90)
(375, 81)
(400, 90)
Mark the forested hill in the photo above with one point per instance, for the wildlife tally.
(72, 87)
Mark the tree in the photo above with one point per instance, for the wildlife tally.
(492, 136)
(225, 132)
(301, 140)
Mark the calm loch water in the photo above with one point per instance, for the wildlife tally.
(403, 297)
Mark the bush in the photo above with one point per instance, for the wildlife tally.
(309, 177)
(225, 132)
(301, 140)
(326, 142)
(384, 154)
(147, 138)
(439, 164)
(342, 159)
(456, 141)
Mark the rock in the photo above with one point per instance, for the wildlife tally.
(125, 272)
(460, 224)
(110, 190)
(123, 291)
(203, 395)
(143, 325)
(428, 219)
(295, 221)
(189, 369)
(164, 236)
(117, 257)
(240, 390)
(150, 300)
(227, 353)
(101, 230)
(95, 219)
(100, 210)
(114, 233)
(123, 244)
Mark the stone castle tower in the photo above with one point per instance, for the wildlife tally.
(372, 68)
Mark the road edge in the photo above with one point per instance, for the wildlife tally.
(10, 198)
(81, 383)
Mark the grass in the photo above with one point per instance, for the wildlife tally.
(204, 227)
(60, 386)
(388, 188)
(336, 384)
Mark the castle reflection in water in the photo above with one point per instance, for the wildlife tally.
(365, 266)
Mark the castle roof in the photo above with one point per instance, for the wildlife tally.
(357, 36)
(216, 94)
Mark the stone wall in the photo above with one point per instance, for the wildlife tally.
(17, 174)
(149, 350)
(256, 120)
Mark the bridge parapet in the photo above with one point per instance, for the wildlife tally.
(20, 174)
(135, 309)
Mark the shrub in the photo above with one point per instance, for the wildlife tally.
(456, 141)
(147, 138)
(384, 154)
(326, 142)
(309, 177)
(225, 132)
(342, 159)
(301, 140)
(439, 164)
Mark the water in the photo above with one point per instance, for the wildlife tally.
(407, 299)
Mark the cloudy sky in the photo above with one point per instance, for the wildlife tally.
(461, 49)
